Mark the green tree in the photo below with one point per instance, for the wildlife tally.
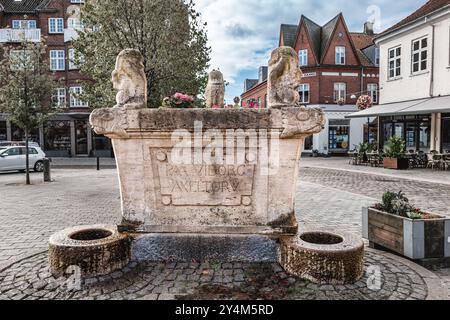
(26, 88)
(168, 33)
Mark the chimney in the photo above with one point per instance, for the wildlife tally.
(368, 28)
(262, 74)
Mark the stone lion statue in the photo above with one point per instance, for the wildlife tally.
(284, 78)
(215, 90)
(129, 79)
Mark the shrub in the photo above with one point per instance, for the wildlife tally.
(398, 204)
(396, 148)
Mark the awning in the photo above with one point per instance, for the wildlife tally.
(413, 107)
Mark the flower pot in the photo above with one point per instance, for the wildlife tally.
(396, 163)
(414, 239)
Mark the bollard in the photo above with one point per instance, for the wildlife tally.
(98, 163)
(47, 173)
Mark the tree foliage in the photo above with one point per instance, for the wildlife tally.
(168, 33)
(26, 86)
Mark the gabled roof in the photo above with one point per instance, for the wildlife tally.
(361, 42)
(429, 7)
(24, 6)
(327, 32)
(314, 33)
(288, 32)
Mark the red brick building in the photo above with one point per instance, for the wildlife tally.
(56, 21)
(338, 66)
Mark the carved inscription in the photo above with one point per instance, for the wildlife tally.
(206, 185)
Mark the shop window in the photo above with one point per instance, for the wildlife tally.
(339, 136)
(17, 134)
(446, 132)
(57, 136)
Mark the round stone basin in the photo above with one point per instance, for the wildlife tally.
(96, 250)
(324, 257)
(321, 238)
(91, 235)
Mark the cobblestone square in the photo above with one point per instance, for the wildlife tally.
(326, 197)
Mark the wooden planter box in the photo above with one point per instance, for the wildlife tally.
(396, 163)
(414, 239)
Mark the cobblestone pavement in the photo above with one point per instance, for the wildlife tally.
(30, 279)
(30, 214)
(432, 197)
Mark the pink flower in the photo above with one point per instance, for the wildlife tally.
(216, 106)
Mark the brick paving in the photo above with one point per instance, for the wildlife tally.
(325, 197)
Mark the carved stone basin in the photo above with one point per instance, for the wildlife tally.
(251, 193)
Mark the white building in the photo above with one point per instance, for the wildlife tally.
(415, 79)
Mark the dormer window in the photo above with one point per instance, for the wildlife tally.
(340, 55)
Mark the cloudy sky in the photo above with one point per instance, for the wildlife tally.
(243, 32)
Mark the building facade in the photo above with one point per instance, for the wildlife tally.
(415, 80)
(338, 66)
(56, 21)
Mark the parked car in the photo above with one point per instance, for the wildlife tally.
(18, 144)
(14, 158)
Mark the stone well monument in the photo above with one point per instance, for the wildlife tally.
(208, 184)
(202, 183)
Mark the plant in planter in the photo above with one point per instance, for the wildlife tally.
(399, 226)
(394, 157)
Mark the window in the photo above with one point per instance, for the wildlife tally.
(55, 25)
(75, 101)
(60, 97)
(303, 57)
(419, 55)
(32, 151)
(395, 62)
(57, 60)
(372, 90)
(76, 1)
(72, 59)
(304, 93)
(13, 152)
(74, 23)
(340, 55)
(24, 24)
(340, 92)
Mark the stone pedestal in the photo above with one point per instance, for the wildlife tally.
(238, 174)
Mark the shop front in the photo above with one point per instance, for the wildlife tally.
(340, 134)
(423, 124)
(64, 135)
(414, 130)
(446, 132)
